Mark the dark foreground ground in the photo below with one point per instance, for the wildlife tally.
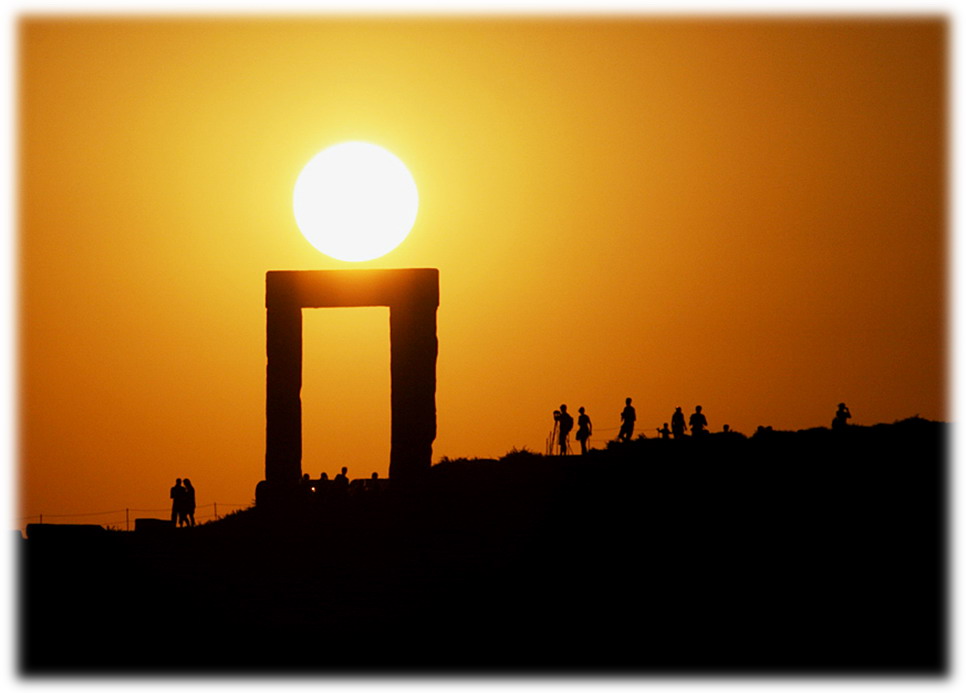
(811, 552)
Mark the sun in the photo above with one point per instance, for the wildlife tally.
(355, 201)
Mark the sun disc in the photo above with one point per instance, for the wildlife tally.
(355, 201)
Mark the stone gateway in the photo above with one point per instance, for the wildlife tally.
(412, 296)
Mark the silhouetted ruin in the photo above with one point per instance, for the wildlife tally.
(412, 296)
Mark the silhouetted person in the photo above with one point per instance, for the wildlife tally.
(322, 486)
(699, 422)
(678, 426)
(584, 430)
(565, 423)
(340, 484)
(628, 417)
(177, 502)
(308, 487)
(372, 485)
(665, 432)
(189, 503)
(842, 417)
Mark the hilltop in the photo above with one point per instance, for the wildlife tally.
(785, 552)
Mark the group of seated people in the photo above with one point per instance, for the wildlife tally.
(340, 486)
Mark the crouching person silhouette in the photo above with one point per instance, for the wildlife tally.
(699, 423)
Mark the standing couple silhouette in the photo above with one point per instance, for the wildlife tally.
(183, 503)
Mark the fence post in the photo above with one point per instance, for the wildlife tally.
(127, 518)
(216, 511)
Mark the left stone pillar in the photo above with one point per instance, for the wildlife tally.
(283, 395)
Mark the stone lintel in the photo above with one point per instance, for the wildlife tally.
(349, 288)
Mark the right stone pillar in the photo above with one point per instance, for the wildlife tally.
(413, 351)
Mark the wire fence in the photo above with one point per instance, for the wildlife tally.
(125, 518)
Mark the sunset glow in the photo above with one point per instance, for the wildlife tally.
(746, 214)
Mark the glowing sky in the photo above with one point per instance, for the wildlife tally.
(747, 214)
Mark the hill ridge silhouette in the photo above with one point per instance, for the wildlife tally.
(794, 552)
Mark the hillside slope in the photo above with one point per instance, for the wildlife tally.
(806, 552)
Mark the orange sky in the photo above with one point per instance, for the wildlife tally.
(747, 214)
